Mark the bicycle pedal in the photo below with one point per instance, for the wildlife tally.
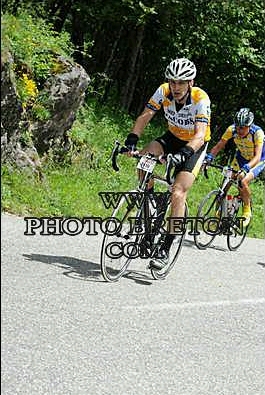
(157, 265)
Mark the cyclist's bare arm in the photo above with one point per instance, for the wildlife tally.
(218, 147)
(142, 120)
(198, 139)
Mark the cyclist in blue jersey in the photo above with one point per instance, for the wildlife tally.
(250, 153)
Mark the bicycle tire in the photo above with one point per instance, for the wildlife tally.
(237, 232)
(113, 262)
(208, 209)
(174, 251)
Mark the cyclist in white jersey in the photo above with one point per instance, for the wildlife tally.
(249, 156)
(187, 111)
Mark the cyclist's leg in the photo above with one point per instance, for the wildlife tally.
(183, 182)
(244, 190)
(176, 225)
(162, 145)
(256, 170)
(155, 148)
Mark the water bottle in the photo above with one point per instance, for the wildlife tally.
(236, 203)
(229, 205)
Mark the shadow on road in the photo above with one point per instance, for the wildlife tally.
(84, 270)
(76, 268)
(191, 244)
(261, 264)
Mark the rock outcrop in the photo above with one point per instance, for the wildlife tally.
(64, 92)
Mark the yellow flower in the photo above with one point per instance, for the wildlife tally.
(30, 86)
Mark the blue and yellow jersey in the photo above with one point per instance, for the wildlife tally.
(246, 145)
(181, 123)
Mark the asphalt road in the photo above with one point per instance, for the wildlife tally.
(67, 332)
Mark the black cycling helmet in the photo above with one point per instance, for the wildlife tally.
(244, 117)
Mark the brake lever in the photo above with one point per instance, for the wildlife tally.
(204, 169)
(205, 172)
(114, 154)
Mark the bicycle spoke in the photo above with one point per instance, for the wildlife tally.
(208, 220)
(173, 255)
(119, 246)
(237, 232)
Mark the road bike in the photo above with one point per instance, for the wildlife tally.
(138, 225)
(220, 213)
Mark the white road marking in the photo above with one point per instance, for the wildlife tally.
(194, 305)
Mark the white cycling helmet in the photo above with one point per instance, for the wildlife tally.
(181, 69)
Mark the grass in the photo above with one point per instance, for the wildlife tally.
(71, 187)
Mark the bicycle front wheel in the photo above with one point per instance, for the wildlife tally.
(174, 252)
(208, 220)
(237, 232)
(119, 243)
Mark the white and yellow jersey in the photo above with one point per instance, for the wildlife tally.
(181, 122)
(246, 145)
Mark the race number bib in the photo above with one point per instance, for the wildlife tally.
(146, 164)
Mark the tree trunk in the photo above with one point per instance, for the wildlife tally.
(78, 37)
(108, 71)
(15, 7)
(59, 12)
(62, 16)
(131, 80)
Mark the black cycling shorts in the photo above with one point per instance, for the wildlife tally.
(171, 145)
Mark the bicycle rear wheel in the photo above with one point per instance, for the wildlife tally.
(237, 232)
(174, 252)
(208, 220)
(119, 244)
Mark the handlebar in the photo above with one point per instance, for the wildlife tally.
(171, 162)
(225, 170)
(115, 152)
(122, 150)
(220, 167)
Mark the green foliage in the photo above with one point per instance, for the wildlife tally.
(34, 44)
(95, 129)
(39, 112)
(26, 138)
(71, 188)
(225, 39)
(35, 47)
